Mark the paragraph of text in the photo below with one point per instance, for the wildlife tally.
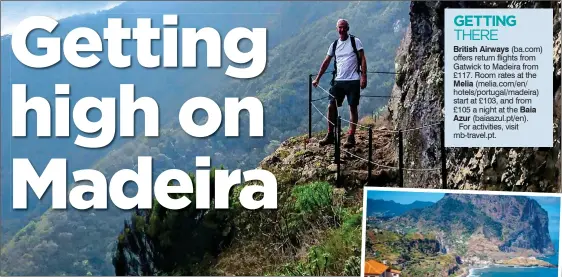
(498, 78)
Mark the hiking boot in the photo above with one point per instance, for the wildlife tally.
(328, 139)
(350, 142)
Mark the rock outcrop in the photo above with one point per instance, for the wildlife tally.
(526, 262)
(524, 222)
(418, 99)
(305, 160)
(510, 224)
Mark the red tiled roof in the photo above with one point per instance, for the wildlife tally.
(374, 267)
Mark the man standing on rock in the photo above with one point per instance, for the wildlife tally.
(349, 79)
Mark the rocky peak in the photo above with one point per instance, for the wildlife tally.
(524, 222)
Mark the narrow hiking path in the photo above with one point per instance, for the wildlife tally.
(305, 160)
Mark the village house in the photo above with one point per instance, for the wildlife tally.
(376, 269)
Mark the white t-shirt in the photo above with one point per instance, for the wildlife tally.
(346, 59)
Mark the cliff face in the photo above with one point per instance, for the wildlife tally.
(418, 99)
(524, 222)
(511, 223)
(461, 230)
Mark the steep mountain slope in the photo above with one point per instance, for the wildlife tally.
(103, 81)
(524, 221)
(178, 84)
(316, 229)
(512, 223)
(414, 254)
(461, 231)
(419, 99)
(164, 85)
(56, 243)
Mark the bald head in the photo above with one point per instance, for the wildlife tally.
(342, 22)
(342, 27)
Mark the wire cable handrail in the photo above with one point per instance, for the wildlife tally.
(380, 96)
(321, 98)
(363, 95)
(329, 94)
(391, 167)
(375, 72)
(333, 124)
(422, 169)
(421, 127)
(365, 127)
(365, 160)
(369, 161)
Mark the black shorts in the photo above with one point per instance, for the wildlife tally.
(341, 89)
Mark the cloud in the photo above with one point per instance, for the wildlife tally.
(15, 12)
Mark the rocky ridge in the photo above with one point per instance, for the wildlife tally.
(479, 230)
(307, 161)
(524, 222)
(483, 227)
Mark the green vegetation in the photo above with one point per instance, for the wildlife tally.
(433, 241)
(319, 221)
(469, 217)
(415, 253)
(312, 197)
(341, 246)
(312, 218)
(430, 266)
(61, 241)
(155, 240)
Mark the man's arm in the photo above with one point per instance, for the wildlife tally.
(363, 63)
(323, 68)
(363, 69)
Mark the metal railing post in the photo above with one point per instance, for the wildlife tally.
(336, 142)
(370, 165)
(309, 105)
(338, 161)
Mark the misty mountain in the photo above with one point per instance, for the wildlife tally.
(168, 87)
(384, 208)
(56, 243)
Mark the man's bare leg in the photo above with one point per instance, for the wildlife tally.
(332, 117)
(353, 114)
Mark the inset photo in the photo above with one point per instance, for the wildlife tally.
(432, 232)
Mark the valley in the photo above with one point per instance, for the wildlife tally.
(316, 229)
(43, 243)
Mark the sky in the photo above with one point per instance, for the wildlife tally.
(405, 197)
(15, 11)
(550, 204)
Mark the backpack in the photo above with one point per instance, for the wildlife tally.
(334, 44)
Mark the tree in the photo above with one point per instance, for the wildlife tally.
(161, 241)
